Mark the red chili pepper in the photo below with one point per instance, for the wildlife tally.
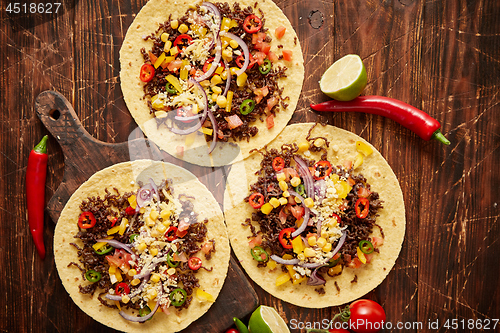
(256, 200)
(122, 289)
(36, 173)
(240, 60)
(278, 163)
(362, 207)
(324, 168)
(410, 117)
(252, 24)
(194, 263)
(208, 63)
(86, 220)
(170, 234)
(147, 73)
(285, 237)
(183, 40)
(130, 211)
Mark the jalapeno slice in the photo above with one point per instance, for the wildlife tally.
(104, 249)
(145, 311)
(259, 254)
(92, 276)
(133, 237)
(170, 261)
(169, 87)
(265, 67)
(178, 297)
(366, 246)
(301, 190)
(247, 106)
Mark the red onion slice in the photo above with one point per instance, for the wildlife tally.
(306, 175)
(341, 242)
(155, 191)
(213, 8)
(315, 279)
(228, 78)
(244, 47)
(306, 214)
(203, 116)
(113, 297)
(144, 195)
(320, 189)
(146, 317)
(214, 133)
(116, 244)
(181, 118)
(282, 261)
(215, 63)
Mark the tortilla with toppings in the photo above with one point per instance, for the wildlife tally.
(194, 109)
(142, 240)
(316, 218)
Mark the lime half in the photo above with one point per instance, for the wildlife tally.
(345, 79)
(266, 320)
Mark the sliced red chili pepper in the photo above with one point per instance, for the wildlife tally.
(324, 168)
(362, 207)
(194, 263)
(339, 220)
(285, 238)
(256, 200)
(113, 220)
(252, 24)
(122, 289)
(171, 233)
(183, 40)
(86, 220)
(147, 73)
(240, 60)
(278, 163)
(130, 211)
(206, 66)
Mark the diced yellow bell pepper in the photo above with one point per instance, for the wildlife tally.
(98, 245)
(226, 24)
(118, 275)
(229, 101)
(175, 82)
(271, 264)
(207, 131)
(266, 208)
(361, 255)
(241, 80)
(160, 60)
(363, 148)
(298, 245)
(299, 280)
(358, 161)
(282, 278)
(113, 230)
(335, 270)
(123, 226)
(204, 296)
(299, 222)
(184, 72)
(132, 201)
(342, 188)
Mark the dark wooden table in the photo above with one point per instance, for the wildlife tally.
(440, 56)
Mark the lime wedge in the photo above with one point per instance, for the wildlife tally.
(266, 320)
(345, 79)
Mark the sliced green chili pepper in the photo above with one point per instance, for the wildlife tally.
(265, 67)
(133, 237)
(92, 276)
(178, 297)
(145, 311)
(170, 88)
(247, 106)
(258, 253)
(300, 189)
(366, 246)
(170, 261)
(334, 262)
(104, 249)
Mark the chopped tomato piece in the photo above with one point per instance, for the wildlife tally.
(263, 47)
(287, 55)
(174, 65)
(257, 240)
(297, 211)
(272, 56)
(207, 247)
(377, 241)
(280, 31)
(260, 93)
(271, 102)
(270, 121)
(120, 259)
(258, 37)
(290, 173)
(363, 192)
(259, 57)
(152, 57)
(233, 121)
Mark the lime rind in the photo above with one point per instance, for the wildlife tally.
(273, 324)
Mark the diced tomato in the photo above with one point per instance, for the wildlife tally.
(270, 121)
(120, 259)
(297, 211)
(290, 173)
(272, 56)
(280, 31)
(271, 102)
(355, 263)
(259, 57)
(377, 241)
(283, 215)
(174, 65)
(350, 181)
(179, 257)
(263, 47)
(207, 247)
(369, 257)
(256, 241)
(233, 121)
(179, 150)
(347, 164)
(181, 233)
(183, 225)
(260, 93)
(258, 37)
(152, 57)
(287, 55)
(363, 192)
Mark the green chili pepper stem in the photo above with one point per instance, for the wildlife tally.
(41, 147)
(437, 135)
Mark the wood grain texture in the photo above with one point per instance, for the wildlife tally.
(440, 56)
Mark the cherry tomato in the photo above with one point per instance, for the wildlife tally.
(367, 316)
(278, 163)
(232, 330)
(252, 24)
(147, 73)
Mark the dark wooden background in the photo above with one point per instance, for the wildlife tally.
(440, 56)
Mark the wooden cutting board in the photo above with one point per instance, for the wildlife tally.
(84, 156)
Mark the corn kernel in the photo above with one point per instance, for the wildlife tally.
(171, 271)
(295, 181)
(165, 214)
(358, 161)
(233, 44)
(319, 142)
(283, 201)
(286, 194)
(167, 46)
(166, 223)
(153, 215)
(281, 176)
(327, 247)
(183, 28)
(135, 282)
(274, 202)
(155, 278)
(283, 185)
(164, 37)
(311, 240)
(297, 200)
(125, 299)
(321, 242)
(161, 228)
(216, 79)
(217, 90)
(266, 208)
(152, 293)
(334, 177)
(309, 202)
(241, 80)
(153, 251)
(131, 272)
(149, 222)
(205, 83)
(303, 146)
(308, 252)
(301, 256)
(174, 24)
(142, 247)
(363, 148)
(214, 97)
(324, 234)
